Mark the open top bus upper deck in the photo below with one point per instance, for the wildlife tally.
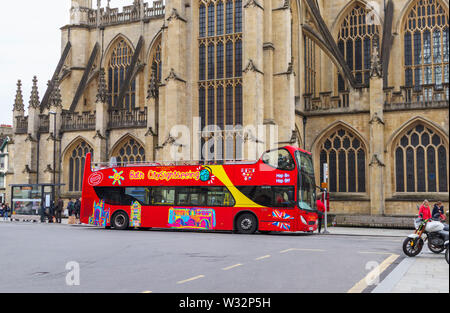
(275, 167)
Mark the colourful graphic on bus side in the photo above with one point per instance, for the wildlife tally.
(135, 218)
(283, 226)
(192, 218)
(101, 215)
(281, 215)
(117, 177)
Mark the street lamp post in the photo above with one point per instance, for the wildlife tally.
(54, 155)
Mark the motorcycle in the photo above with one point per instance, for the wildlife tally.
(430, 230)
(446, 251)
(436, 240)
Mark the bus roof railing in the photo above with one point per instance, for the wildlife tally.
(105, 165)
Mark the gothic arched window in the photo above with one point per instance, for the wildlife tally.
(421, 161)
(156, 60)
(345, 155)
(310, 66)
(356, 39)
(130, 150)
(220, 66)
(426, 44)
(77, 159)
(117, 68)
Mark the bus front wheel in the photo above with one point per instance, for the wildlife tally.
(246, 224)
(120, 221)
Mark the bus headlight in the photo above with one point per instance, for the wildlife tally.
(303, 220)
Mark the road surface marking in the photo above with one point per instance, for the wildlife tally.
(148, 291)
(190, 279)
(362, 284)
(230, 267)
(380, 253)
(296, 249)
(263, 257)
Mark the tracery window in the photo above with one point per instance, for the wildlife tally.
(220, 70)
(156, 60)
(345, 155)
(421, 161)
(426, 44)
(356, 40)
(310, 67)
(129, 151)
(77, 160)
(117, 67)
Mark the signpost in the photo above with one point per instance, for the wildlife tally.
(325, 188)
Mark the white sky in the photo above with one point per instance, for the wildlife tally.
(30, 44)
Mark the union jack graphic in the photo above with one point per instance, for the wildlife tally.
(281, 215)
(285, 226)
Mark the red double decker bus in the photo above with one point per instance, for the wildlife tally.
(275, 193)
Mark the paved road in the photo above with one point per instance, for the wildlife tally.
(35, 256)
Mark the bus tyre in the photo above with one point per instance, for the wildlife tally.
(120, 221)
(246, 224)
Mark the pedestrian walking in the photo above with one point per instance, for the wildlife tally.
(59, 209)
(77, 207)
(321, 213)
(51, 212)
(70, 207)
(5, 211)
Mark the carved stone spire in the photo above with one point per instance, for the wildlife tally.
(55, 96)
(34, 98)
(18, 102)
(375, 64)
(153, 86)
(102, 93)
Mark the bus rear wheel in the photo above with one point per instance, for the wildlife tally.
(120, 221)
(246, 224)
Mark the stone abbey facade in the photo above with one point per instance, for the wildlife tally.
(362, 85)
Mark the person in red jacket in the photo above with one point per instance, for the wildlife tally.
(425, 211)
(321, 213)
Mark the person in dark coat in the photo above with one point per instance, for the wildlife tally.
(59, 209)
(70, 207)
(438, 212)
(77, 207)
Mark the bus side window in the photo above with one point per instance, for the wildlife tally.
(280, 159)
(219, 196)
(163, 196)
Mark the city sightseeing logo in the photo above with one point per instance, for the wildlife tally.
(203, 174)
(117, 177)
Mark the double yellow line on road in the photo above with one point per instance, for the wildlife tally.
(376, 272)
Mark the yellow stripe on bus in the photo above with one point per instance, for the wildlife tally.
(241, 200)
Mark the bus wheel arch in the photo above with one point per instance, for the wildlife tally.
(120, 220)
(245, 222)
